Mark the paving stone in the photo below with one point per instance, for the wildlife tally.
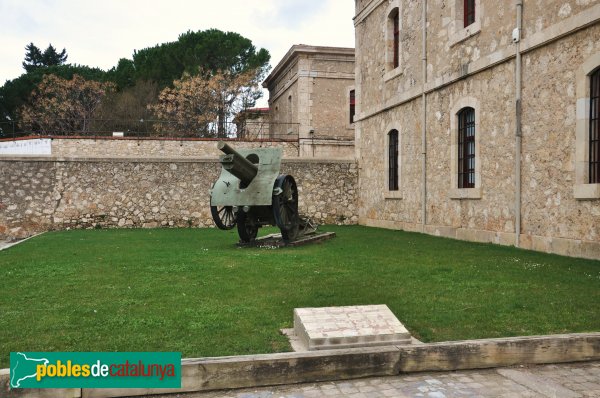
(549, 381)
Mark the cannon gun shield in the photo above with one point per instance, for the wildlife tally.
(229, 190)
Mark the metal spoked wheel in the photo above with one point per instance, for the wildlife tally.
(246, 226)
(285, 207)
(223, 216)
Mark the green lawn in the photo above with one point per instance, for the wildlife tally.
(194, 291)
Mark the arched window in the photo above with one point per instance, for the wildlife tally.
(594, 155)
(393, 160)
(396, 23)
(466, 148)
(469, 12)
(466, 17)
(392, 36)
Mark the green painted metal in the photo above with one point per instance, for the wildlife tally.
(228, 190)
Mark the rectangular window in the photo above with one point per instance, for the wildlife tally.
(595, 127)
(393, 160)
(469, 12)
(352, 106)
(466, 148)
(397, 39)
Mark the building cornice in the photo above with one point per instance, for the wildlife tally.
(299, 49)
(365, 12)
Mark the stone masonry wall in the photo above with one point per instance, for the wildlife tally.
(168, 148)
(40, 194)
(558, 37)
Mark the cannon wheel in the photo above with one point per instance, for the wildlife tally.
(285, 207)
(223, 216)
(246, 226)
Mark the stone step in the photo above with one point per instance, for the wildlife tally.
(328, 328)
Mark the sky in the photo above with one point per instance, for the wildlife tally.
(98, 33)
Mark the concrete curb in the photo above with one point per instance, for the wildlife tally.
(203, 374)
(6, 245)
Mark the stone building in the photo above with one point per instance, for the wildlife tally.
(253, 123)
(311, 96)
(479, 120)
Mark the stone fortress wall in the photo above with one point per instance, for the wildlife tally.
(164, 148)
(45, 193)
(476, 67)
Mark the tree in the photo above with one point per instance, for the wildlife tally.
(123, 109)
(123, 74)
(200, 104)
(35, 58)
(210, 50)
(60, 106)
(16, 93)
(51, 57)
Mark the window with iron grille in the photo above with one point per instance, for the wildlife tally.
(469, 12)
(396, 39)
(595, 127)
(466, 148)
(393, 160)
(352, 106)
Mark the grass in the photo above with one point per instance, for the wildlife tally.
(193, 291)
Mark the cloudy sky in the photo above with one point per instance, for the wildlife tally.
(100, 32)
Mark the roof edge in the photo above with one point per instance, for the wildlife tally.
(297, 49)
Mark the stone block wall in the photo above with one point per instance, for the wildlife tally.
(40, 194)
(478, 68)
(310, 87)
(168, 148)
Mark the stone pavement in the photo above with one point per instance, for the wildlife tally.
(556, 381)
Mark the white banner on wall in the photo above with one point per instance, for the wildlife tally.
(42, 146)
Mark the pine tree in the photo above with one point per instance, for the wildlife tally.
(33, 57)
(51, 57)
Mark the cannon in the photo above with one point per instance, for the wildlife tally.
(251, 193)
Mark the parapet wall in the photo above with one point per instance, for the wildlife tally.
(155, 147)
(167, 147)
(45, 193)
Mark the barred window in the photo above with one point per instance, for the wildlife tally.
(466, 148)
(595, 127)
(469, 12)
(393, 160)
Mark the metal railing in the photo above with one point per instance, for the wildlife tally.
(151, 128)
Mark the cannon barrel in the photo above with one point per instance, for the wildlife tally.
(236, 164)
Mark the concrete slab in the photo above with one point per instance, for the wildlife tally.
(329, 328)
(5, 244)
